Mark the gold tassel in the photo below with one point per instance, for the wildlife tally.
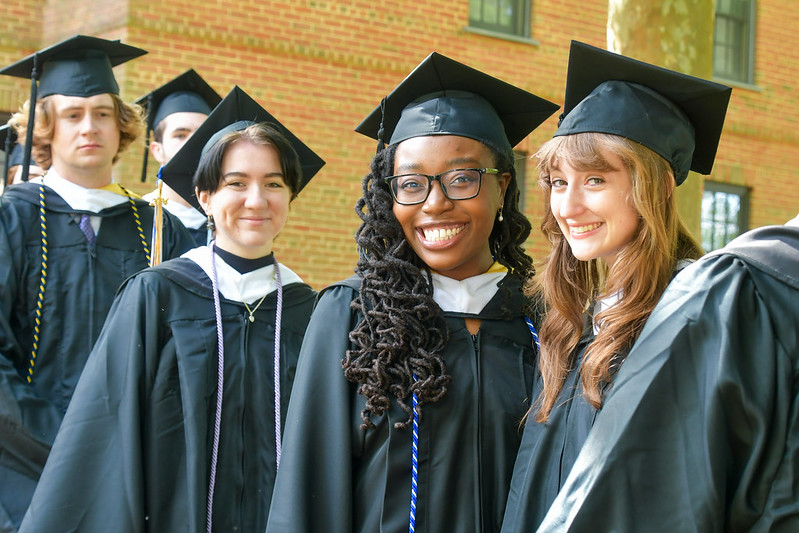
(158, 226)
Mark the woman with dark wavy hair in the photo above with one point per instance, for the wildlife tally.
(627, 140)
(416, 371)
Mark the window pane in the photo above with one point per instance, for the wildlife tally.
(733, 39)
(723, 214)
(503, 16)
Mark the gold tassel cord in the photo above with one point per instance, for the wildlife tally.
(158, 225)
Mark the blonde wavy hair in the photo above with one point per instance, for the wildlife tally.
(130, 120)
(568, 286)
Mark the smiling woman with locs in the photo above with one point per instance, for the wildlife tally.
(415, 372)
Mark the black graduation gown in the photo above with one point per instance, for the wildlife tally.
(198, 235)
(548, 451)
(700, 431)
(134, 450)
(335, 477)
(80, 287)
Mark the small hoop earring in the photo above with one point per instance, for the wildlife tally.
(499, 213)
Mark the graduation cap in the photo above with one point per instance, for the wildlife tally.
(677, 116)
(236, 112)
(444, 97)
(13, 151)
(78, 66)
(188, 93)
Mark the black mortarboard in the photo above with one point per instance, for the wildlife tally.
(14, 152)
(188, 93)
(678, 116)
(79, 66)
(235, 112)
(444, 97)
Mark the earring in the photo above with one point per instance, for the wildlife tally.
(210, 224)
(499, 214)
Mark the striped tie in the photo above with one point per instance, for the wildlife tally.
(86, 227)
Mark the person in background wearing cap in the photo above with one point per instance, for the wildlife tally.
(421, 425)
(148, 443)
(628, 136)
(174, 112)
(700, 430)
(69, 240)
(13, 159)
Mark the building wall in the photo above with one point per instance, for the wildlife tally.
(321, 66)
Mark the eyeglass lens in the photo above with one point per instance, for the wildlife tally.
(457, 185)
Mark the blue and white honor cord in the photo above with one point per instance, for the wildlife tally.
(414, 461)
(534, 333)
(415, 445)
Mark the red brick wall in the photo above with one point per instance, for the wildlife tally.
(20, 34)
(760, 143)
(320, 66)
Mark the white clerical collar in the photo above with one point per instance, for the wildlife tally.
(80, 198)
(233, 285)
(189, 216)
(470, 295)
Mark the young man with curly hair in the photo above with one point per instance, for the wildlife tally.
(69, 239)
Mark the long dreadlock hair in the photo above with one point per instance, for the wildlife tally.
(397, 345)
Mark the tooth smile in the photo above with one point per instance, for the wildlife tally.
(585, 229)
(441, 234)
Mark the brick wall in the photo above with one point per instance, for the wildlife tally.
(320, 66)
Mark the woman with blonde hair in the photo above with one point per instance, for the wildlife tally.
(629, 134)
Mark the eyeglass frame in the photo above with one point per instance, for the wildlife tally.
(437, 177)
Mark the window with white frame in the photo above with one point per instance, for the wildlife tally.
(734, 40)
(725, 213)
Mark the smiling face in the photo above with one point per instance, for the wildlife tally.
(85, 138)
(594, 208)
(251, 203)
(450, 236)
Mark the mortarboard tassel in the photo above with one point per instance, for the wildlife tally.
(31, 116)
(7, 159)
(146, 143)
(158, 223)
(381, 132)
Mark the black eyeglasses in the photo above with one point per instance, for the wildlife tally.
(457, 184)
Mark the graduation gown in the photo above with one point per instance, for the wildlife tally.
(80, 286)
(548, 451)
(700, 431)
(336, 477)
(134, 450)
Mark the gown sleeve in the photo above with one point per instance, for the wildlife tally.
(700, 430)
(26, 419)
(94, 475)
(313, 490)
